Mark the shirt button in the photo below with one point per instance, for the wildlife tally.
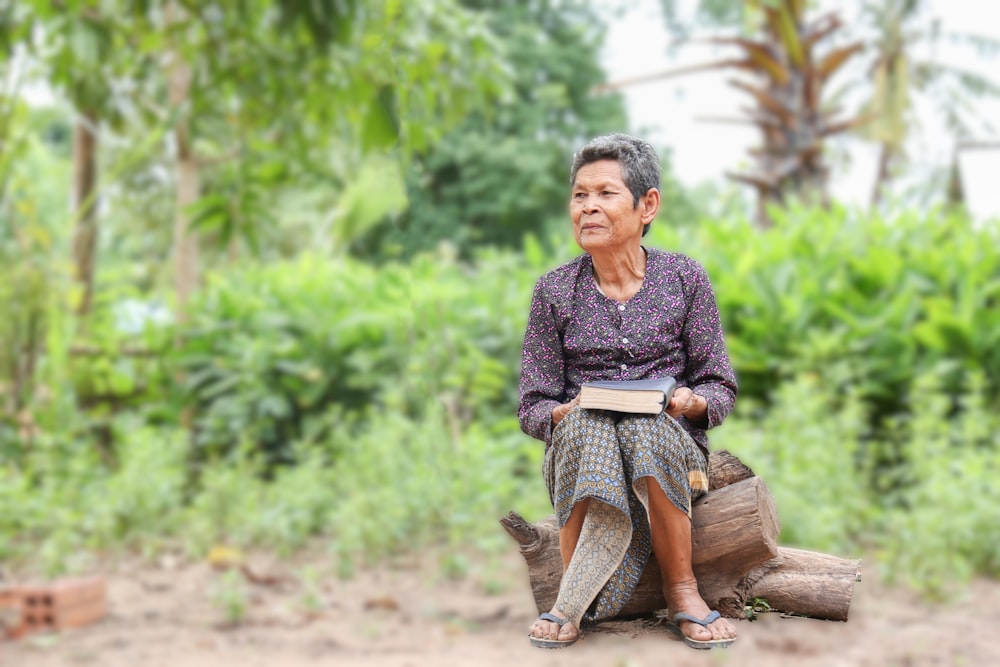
(621, 306)
(625, 340)
(624, 367)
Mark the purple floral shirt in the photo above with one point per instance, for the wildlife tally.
(670, 327)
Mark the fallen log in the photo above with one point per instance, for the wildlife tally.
(734, 552)
(806, 583)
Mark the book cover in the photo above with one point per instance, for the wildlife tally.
(637, 396)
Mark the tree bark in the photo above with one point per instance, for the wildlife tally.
(806, 583)
(188, 189)
(85, 233)
(883, 174)
(734, 553)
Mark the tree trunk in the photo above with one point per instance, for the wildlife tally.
(85, 231)
(734, 553)
(882, 176)
(185, 243)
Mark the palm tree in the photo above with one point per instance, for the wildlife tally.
(898, 76)
(789, 73)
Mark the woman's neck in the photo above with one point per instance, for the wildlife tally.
(620, 274)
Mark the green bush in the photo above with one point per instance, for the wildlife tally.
(271, 347)
(867, 303)
(376, 407)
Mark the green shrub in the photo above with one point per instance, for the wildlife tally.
(376, 407)
(271, 346)
(865, 302)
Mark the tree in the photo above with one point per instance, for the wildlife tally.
(502, 172)
(789, 76)
(898, 77)
(895, 77)
(78, 48)
(259, 95)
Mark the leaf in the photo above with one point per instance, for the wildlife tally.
(835, 59)
(376, 192)
(765, 99)
(784, 26)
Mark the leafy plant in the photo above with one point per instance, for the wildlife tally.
(231, 597)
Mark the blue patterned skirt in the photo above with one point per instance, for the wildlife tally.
(608, 457)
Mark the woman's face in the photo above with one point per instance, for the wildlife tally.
(601, 208)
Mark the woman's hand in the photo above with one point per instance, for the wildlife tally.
(691, 405)
(562, 410)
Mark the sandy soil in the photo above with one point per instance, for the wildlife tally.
(298, 613)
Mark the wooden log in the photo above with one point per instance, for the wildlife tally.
(734, 529)
(734, 553)
(806, 583)
(725, 469)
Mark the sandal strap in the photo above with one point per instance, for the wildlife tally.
(712, 617)
(555, 619)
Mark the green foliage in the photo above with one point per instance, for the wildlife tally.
(273, 348)
(60, 503)
(375, 407)
(501, 172)
(867, 303)
(931, 518)
(941, 496)
(231, 597)
(810, 448)
(32, 285)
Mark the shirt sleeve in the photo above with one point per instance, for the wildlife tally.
(709, 372)
(543, 383)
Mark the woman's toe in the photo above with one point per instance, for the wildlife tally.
(697, 632)
(567, 632)
(722, 629)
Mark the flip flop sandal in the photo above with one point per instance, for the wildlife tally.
(703, 622)
(552, 643)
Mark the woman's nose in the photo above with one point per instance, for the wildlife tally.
(589, 204)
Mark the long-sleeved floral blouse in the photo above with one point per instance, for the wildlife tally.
(670, 327)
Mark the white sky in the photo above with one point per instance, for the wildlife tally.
(671, 113)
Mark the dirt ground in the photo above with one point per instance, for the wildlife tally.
(174, 613)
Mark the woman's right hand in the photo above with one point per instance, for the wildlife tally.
(562, 410)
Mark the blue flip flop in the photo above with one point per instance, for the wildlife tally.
(704, 622)
(553, 643)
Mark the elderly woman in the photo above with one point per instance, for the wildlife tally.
(623, 484)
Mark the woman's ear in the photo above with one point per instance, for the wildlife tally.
(650, 203)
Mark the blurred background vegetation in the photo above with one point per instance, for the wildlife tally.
(265, 268)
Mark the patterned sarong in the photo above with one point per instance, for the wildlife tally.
(606, 456)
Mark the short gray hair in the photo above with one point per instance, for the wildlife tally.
(639, 162)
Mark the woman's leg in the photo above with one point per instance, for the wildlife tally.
(602, 544)
(671, 533)
(583, 465)
(569, 535)
(668, 471)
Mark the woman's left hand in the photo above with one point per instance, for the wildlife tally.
(686, 402)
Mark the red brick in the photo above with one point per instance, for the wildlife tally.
(63, 593)
(11, 620)
(60, 605)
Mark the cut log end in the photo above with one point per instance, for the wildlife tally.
(517, 527)
(725, 469)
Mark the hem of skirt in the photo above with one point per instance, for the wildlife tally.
(562, 521)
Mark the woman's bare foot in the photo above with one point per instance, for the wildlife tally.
(543, 629)
(685, 598)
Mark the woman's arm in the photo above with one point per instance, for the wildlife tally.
(708, 372)
(543, 384)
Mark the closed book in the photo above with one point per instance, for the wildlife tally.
(638, 396)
